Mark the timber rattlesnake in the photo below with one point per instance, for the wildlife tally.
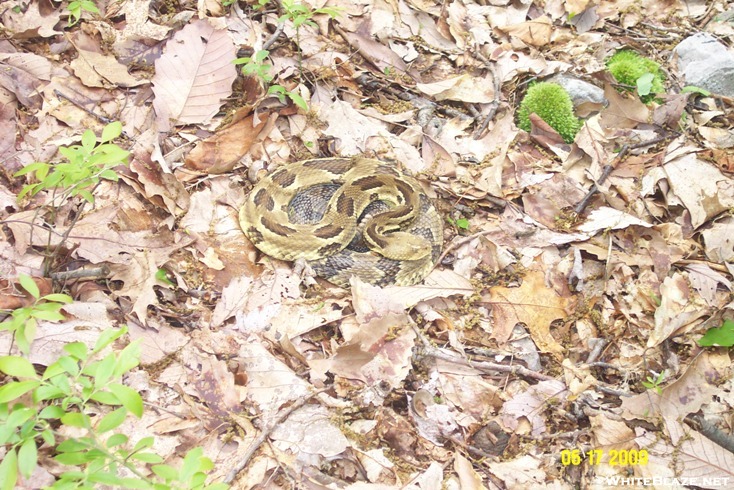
(346, 216)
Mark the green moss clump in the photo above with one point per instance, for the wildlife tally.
(552, 104)
(627, 67)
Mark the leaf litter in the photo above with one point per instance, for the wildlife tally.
(533, 336)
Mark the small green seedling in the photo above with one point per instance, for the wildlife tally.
(76, 7)
(22, 322)
(85, 166)
(655, 383)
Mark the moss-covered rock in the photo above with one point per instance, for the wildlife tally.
(627, 67)
(553, 105)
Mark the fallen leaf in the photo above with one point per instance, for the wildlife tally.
(194, 75)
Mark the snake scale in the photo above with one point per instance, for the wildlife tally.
(346, 217)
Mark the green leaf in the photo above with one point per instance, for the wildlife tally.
(89, 140)
(166, 472)
(27, 458)
(144, 443)
(15, 389)
(147, 457)
(33, 167)
(51, 412)
(191, 464)
(104, 370)
(86, 195)
(75, 419)
(69, 364)
(73, 459)
(722, 336)
(29, 285)
(109, 174)
(112, 420)
(46, 392)
(644, 84)
(298, 100)
(128, 358)
(19, 367)
(109, 336)
(19, 416)
(129, 398)
(116, 440)
(59, 298)
(112, 130)
(71, 446)
(78, 350)
(9, 470)
(105, 397)
(48, 315)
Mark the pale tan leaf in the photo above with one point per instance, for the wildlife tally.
(194, 75)
(99, 70)
(678, 308)
(462, 88)
(534, 304)
(533, 33)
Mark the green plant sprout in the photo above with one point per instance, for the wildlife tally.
(655, 383)
(40, 410)
(461, 223)
(76, 7)
(298, 15)
(630, 69)
(553, 105)
(22, 322)
(86, 165)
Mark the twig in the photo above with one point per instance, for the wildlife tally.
(494, 105)
(97, 272)
(271, 40)
(260, 439)
(599, 345)
(99, 118)
(711, 432)
(609, 168)
(430, 351)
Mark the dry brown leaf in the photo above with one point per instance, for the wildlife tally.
(99, 70)
(23, 74)
(604, 219)
(522, 472)
(194, 75)
(719, 240)
(696, 456)
(536, 32)
(222, 151)
(380, 353)
(528, 405)
(36, 19)
(706, 196)
(622, 111)
(535, 305)
(462, 88)
(682, 397)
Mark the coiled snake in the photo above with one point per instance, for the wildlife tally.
(345, 217)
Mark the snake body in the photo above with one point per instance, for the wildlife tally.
(346, 217)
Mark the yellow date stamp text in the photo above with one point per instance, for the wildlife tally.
(612, 457)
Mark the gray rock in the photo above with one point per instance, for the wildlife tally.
(706, 63)
(579, 91)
